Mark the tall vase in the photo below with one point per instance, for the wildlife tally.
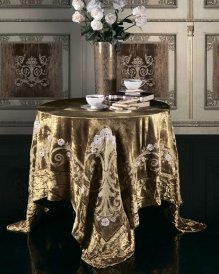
(105, 68)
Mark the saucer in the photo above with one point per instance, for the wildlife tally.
(89, 108)
(133, 91)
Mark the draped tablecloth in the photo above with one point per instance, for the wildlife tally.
(109, 165)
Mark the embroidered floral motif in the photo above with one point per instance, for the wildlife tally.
(108, 207)
(61, 142)
(168, 157)
(150, 147)
(41, 153)
(49, 138)
(36, 127)
(98, 140)
(105, 222)
(140, 160)
(84, 191)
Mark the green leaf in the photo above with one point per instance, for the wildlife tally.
(90, 36)
(114, 33)
(127, 35)
(86, 30)
(127, 20)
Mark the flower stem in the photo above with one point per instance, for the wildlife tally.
(130, 27)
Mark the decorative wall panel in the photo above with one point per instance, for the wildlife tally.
(186, 27)
(67, 3)
(35, 3)
(205, 10)
(33, 69)
(151, 58)
(152, 3)
(205, 77)
(211, 3)
(212, 71)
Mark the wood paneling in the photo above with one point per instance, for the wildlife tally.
(14, 155)
(199, 173)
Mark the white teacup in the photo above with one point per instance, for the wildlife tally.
(133, 83)
(95, 100)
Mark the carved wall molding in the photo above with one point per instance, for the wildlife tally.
(35, 4)
(167, 39)
(18, 20)
(151, 3)
(210, 40)
(67, 3)
(211, 101)
(211, 3)
(196, 124)
(55, 46)
(26, 124)
(190, 30)
(211, 71)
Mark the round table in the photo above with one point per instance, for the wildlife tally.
(109, 165)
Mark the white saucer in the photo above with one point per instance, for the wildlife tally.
(133, 91)
(89, 108)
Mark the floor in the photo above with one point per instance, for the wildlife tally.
(51, 249)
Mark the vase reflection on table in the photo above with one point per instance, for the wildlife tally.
(105, 30)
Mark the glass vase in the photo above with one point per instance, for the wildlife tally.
(105, 68)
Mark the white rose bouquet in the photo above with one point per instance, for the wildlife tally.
(99, 25)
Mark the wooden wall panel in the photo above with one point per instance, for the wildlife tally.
(199, 171)
(191, 22)
(14, 168)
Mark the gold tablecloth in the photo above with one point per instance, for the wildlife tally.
(109, 165)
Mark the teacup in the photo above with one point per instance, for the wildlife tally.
(133, 83)
(95, 100)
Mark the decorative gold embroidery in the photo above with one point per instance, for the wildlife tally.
(107, 175)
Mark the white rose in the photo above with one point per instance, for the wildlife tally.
(77, 4)
(77, 17)
(118, 4)
(96, 25)
(110, 18)
(140, 21)
(97, 13)
(139, 11)
(93, 4)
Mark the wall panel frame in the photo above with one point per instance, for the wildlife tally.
(205, 105)
(19, 121)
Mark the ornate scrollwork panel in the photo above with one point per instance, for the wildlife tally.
(211, 72)
(35, 3)
(211, 4)
(151, 58)
(151, 3)
(36, 69)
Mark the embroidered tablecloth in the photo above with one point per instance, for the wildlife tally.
(109, 165)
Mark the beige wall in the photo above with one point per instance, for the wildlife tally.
(194, 24)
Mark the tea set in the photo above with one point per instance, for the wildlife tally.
(95, 101)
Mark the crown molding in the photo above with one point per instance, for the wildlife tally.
(196, 123)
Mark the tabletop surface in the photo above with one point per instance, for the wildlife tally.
(72, 108)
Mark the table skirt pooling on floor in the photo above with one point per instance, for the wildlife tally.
(109, 166)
